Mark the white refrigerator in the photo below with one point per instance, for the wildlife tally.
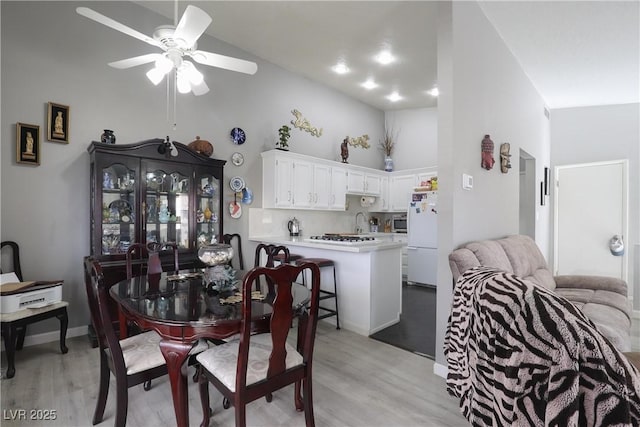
(422, 235)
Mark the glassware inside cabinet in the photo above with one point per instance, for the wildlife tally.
(208, 211)
(167, 208)
(118, 208)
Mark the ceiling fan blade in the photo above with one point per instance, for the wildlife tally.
(193, 23)
(104, 20)
(135, 61)
(199, 89)
(222, 61)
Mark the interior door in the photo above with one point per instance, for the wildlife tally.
(590, 208)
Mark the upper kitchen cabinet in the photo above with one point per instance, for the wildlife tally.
(296, 181)
(362, 182)
(140, 193)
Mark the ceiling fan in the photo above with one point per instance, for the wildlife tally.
(177, 43)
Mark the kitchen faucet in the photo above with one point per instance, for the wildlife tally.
(360, 230)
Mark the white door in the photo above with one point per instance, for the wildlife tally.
(590, 208)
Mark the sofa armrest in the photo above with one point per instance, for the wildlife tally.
(592, 282)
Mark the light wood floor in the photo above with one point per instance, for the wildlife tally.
(357, 381)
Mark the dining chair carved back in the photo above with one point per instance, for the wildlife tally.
(15, 257)
(229, 239)
(149, 255)
(270, 253)
(257, 365)
(133, 360)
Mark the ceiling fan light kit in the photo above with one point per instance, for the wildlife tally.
(177, 42)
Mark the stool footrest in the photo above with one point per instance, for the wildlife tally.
(331, 295)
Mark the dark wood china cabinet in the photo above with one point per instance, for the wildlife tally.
(150, 192)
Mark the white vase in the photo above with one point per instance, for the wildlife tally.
(388, 164)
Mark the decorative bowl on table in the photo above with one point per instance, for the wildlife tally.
(215, 254)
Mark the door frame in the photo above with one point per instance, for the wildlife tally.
(625, 208)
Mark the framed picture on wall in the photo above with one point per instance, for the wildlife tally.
(28, 144)
(58, 123)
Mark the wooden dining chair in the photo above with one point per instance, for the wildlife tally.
(271, 253)
(133, 360)
(149, 258)
(257, 365)
(229, 239)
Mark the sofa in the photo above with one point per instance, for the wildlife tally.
(603, 300)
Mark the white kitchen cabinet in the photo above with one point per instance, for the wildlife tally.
(277, 174)
(401, 187)
(403, 238)
(359, 182)
(382, 202)
(321, 186)
(302, 184)
(338, 197)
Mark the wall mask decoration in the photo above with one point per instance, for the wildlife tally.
(303, 124)
(505, 157)
(487, 153)
(361, 141)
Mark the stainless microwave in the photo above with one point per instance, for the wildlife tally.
(399, 224)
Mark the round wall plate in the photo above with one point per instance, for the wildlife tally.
(236, 183)
(237, 158)
(238, 136)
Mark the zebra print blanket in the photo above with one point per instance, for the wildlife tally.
(520, 355)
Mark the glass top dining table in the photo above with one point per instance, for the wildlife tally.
(181, 308)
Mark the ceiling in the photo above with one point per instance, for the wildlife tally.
(575, 53)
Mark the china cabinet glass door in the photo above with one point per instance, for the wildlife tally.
(207, 208)
(166, 191)
(118, 208)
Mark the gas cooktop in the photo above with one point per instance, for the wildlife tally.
(339, 239)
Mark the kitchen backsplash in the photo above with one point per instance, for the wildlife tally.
(273, 222)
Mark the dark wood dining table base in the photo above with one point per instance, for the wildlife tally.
(176, 353)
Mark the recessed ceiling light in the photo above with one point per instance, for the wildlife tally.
(434, 92)
(385, 57)
(340, 68)
(394, 97)
(370, 84)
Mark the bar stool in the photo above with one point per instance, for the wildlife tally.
(324, 262)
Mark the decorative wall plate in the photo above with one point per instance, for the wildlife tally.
(238, 136)
(237, 158)
(236, 183)
(235, 210)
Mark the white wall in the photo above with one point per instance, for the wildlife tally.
(600, 133)
(417, 141)
(50, 53)
(483, 90)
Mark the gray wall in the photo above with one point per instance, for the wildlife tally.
(483, 90)
(594, 134)
(50, 53)
(417, 137)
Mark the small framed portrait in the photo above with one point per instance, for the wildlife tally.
(58, 123)
(28, 144)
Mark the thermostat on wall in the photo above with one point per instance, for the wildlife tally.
(467, 181)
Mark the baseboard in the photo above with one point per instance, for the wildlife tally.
(440, 370)
(47, 337)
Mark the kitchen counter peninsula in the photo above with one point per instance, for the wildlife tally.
(369, 279)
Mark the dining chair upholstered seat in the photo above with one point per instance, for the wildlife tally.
(257, 365)
(142, 352)
(222, 360)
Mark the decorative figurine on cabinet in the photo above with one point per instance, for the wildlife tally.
(487, 153)
(505, 157)
(344, 150)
